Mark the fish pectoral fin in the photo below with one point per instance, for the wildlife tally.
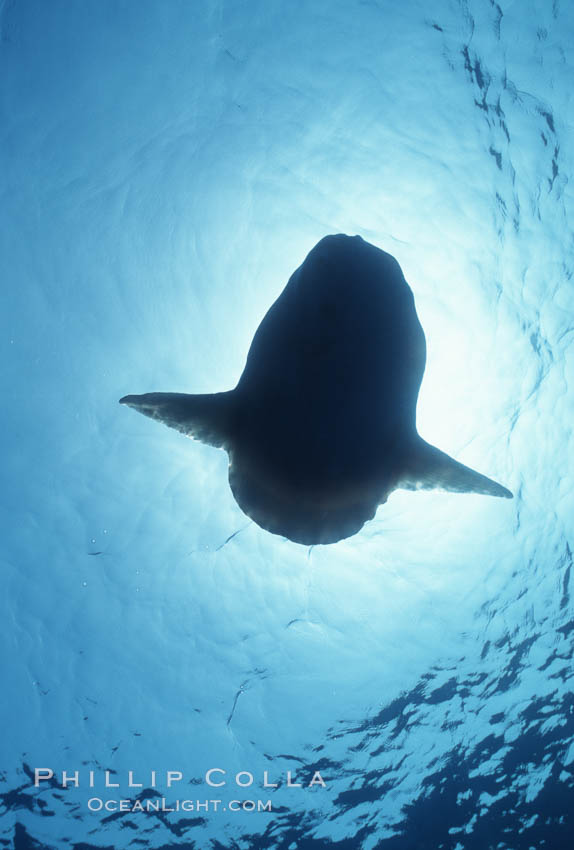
(428, 468)
(208, 418)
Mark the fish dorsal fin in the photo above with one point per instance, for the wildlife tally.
(208, 418)
(427, 468)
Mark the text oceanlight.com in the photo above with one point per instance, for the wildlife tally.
(97, 804)
(148, 799)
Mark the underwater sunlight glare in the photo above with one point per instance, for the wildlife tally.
(164, 169)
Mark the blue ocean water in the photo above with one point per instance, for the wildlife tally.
(165, 166)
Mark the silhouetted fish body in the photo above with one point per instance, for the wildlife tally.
(322, 424)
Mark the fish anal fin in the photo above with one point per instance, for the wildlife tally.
(208, 418)
(428, 468)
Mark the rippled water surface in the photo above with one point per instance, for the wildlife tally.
(164, 168)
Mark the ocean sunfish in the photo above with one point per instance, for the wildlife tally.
(321, 427)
